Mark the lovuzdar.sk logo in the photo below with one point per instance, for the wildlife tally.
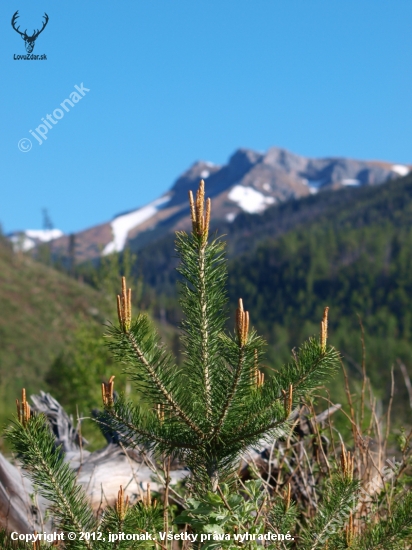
(29, 40)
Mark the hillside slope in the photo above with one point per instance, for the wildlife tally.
(341, 251)
(357, 260)
(40, 308)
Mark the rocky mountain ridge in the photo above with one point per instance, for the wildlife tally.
(250, 182)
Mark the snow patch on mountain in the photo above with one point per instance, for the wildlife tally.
(44, 235)
(204, 174)
(123, 224)
(400, 169)
(249, 200)
(26, 240)
(314, 185)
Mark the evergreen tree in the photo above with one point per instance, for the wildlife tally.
(217, 404)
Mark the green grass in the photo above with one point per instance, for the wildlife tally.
(40, 309)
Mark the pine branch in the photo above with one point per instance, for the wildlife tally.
(242, 327)
(166, 394)
(247, 439)
(139, 347)
(339, 496)
(231, 394)
(202, 298)
(204, 326)
(311, 366)
(34, 442)
(136, 426)
(392, 533)
(145, 516)
(200, 224)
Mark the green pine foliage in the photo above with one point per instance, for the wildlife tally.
(339, 495)
(213, 407)
(393, 531)
(34, 443)
(33, 440)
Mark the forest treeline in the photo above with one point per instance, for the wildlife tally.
(356, 259)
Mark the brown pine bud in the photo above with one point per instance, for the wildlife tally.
(347, 463)
(23, 408)
(242, 323)
(107, 393)
(124, 307)
(199, 214)
(324, 329)
(122, 504)
(288, 400)
(287, 496)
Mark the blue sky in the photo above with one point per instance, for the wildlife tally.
(175, 81)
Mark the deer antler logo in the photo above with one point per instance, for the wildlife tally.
(29, 41)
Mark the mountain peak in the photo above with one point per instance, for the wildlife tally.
(285, 160)
(251, 182)
(243, 159)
